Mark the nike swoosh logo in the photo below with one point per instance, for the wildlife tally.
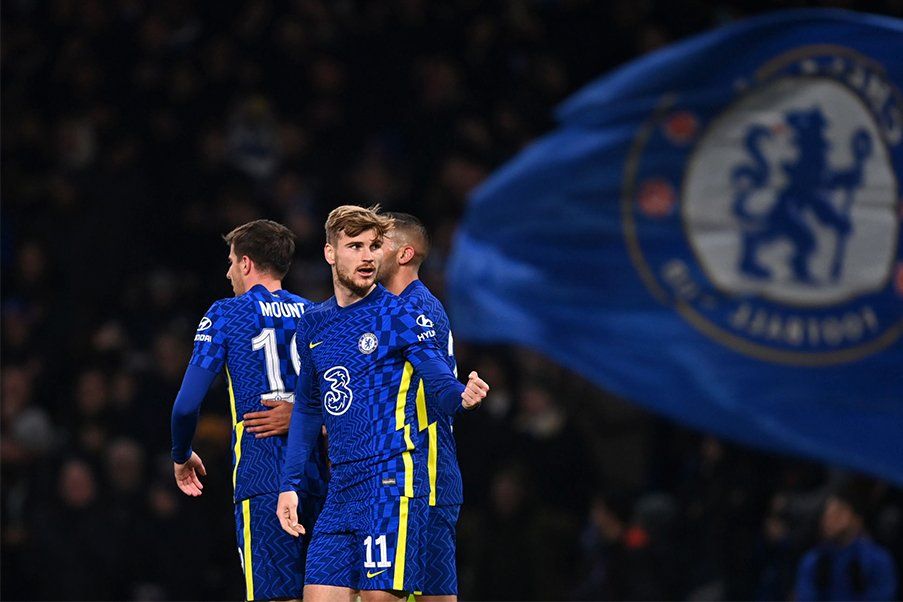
(312, 345)
(372, 575)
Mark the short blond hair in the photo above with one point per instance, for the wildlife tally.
(352, 220)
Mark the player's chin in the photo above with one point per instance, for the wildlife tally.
(365, 279)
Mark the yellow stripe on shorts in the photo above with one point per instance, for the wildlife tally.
(400, 549)
(249, 569)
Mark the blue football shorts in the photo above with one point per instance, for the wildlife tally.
(272, 560)
(370, 544)
(441, 575)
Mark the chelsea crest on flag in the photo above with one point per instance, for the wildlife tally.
(713, 232)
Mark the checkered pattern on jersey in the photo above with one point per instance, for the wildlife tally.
(233, 326)
(441, 574)
(449, 486)
(359, 355)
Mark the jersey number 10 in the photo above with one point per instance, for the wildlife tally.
(266, 340)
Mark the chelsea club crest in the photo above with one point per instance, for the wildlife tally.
(772, 225)
(367, 343)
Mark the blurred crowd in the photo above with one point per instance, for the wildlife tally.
(136, 133)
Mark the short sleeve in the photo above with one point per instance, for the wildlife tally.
(210, 339)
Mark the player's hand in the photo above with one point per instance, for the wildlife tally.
(270, 422)
(187, 475)
(287, 511)
(474, 392)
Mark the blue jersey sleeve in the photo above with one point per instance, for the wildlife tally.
(417, 332)
(307, 418)
(207, 359)
(185, 410)
(210, 340)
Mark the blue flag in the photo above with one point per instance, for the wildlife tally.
(713, 232)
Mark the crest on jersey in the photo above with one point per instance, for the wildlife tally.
(788, 209)
(205, 324)
(367, 343)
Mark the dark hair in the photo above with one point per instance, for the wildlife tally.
(416, 232)
(269, 244)
(853, 493)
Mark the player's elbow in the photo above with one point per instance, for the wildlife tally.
(183, 411)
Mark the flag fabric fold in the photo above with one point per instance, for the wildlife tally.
(713, 232)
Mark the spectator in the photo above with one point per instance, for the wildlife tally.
(847, 565)
(136, 133)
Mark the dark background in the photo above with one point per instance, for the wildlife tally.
(136, 133)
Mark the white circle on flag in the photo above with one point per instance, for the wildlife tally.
(806, 168)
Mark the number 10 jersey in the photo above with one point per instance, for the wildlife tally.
(252, 337)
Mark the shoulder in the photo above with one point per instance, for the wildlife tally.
(810, 558)
(876, 553)
(314, 315)
(293, 298)
(423, 297)
(434, 305)
(407, 306)
(221, 310)
(317, 309)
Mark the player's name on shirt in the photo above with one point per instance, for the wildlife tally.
(278, 309)
(271, 309)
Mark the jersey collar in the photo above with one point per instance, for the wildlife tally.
(410, 288)
(373, 297)
(259, 288)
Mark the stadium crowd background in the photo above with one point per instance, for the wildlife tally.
(136, 133)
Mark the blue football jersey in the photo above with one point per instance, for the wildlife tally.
(443, 472)
(252, 337)
(361, 361)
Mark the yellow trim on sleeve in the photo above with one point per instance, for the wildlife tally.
(423, 419)
(249, 569)
(402, 397)
(398, 579)
(431, 459)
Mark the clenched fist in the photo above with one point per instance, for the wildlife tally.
(474, 392)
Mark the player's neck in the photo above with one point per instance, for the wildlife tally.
(344, 296)
(271, 284)
(401, 279)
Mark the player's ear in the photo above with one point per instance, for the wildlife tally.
(245, 264)
(329, 254)
(407, 254)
